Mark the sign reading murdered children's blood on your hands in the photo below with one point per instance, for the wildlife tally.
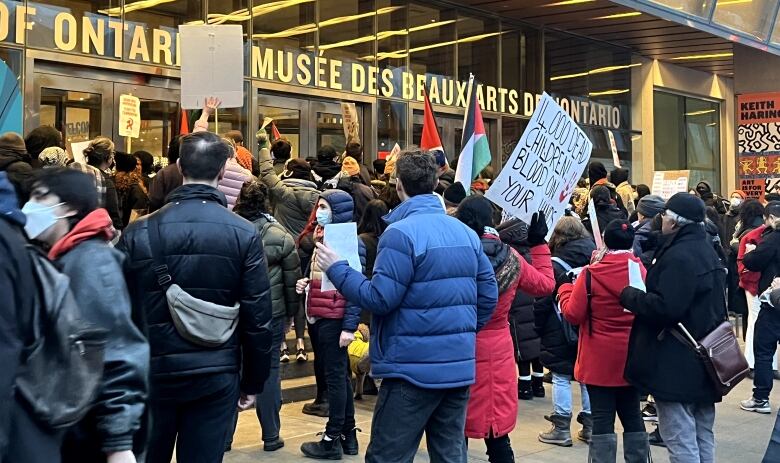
(544, 167)
(212, 64)
(129, 116)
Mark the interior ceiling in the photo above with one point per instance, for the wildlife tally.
(645, 34)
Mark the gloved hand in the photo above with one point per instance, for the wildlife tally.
(537, 230)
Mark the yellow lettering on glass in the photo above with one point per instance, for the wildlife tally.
(93, 36)
(161, 45)
(138, 45)
(22, 25)
(59, 32)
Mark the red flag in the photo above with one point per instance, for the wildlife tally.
(430, 140)
(184, 128)
(275, 135)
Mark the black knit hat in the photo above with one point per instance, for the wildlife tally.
(687, 206)
(596, 171)
(619, 234)
(454, 194)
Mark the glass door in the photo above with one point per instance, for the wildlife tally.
(160, 120)
(287, 114)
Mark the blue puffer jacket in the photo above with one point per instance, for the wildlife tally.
(432, 289)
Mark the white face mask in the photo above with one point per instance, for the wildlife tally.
(735, 202)
(39, 218)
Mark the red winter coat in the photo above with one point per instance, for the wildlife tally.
(492, 406)
(748, 280)
(603, 345)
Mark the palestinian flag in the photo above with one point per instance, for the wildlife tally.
(430, 140)
(475, 154)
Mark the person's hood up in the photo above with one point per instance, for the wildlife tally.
(12, 150)
(576, 253)
(596, 172)
(97, 224)
(704, 189)
(9, 203)
(298, 183)
(197, 191)
(513, 231)
(420, 204)
(327, 169)
(619, 176)
(341, 205)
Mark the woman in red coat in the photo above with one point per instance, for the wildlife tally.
(492, 407)
(593, 303)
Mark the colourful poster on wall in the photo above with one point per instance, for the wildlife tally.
(758, 141)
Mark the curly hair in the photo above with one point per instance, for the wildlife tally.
(251, 201)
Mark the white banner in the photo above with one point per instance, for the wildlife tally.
(544, 167)
(212, 64)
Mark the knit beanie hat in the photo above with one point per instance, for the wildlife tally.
(741, 194)
(297, 168)
(619, 234)
(651, 205)
(454, 194)
(350, 166)
(596, 171)
(687, 206)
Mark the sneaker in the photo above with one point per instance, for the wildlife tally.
(285, 357)
(654, 438)
(755, 405)
(301, 356)
(326, 449)
(649, 413)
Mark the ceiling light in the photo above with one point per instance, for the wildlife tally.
(595, 71)
(700, 113)
(569, 2)
(733, 2)
(709, 56)
(619, 15)
(609, 92)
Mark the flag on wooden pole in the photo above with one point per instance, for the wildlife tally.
(475, 154)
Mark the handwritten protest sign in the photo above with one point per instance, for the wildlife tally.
(544, 167)
(668, 182)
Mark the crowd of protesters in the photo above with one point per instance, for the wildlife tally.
(163, 299)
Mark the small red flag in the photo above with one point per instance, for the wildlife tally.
(275, 135)
(184, 128)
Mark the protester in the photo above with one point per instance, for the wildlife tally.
(432, 289)
(370, 229)
(704, 191)
(619, 177)
(281, 152)
(579, 198)
(593, 304)
(243, 156)
(333, 321)
(40, 138)
(167, 179)
(765, 258)
(606, 210)
(23, 439)
(685, 285)
(597, 176)
(284, 271)
(445, 173)
(100, 159)
(773, 449)
(355, 150)
(132, 194)
(642, 190)
(453, 196)
(730, 219)
(63, 213)
(379, 168)
(147, 167)
(216, 257)
(234, 177)
(292, 193)
(713, 225)
(352, 182)
(53, 156)
(492, 407)
(327, 171)
(647, 208)
(521, 318)
(571, 247)
(15, 161)
(751, 216)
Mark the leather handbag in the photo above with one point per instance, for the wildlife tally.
(200, 322)
(721, 354)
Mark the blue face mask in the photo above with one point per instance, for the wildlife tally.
(324, 217)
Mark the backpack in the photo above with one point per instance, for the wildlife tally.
(61, 370)
(570, 332)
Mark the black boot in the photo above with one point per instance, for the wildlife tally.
(324, 449)
(349, 442)
(586, 420)
(524, 390)
(537, 384)
(316, 408)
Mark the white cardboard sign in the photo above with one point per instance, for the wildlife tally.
(212, 64)
(544, 167)
(343, 240)
(77, 150)
(129, 116)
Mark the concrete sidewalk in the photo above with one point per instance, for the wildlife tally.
(741, 436)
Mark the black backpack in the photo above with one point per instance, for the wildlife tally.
(62, 368)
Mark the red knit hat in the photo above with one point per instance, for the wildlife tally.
(741, 193)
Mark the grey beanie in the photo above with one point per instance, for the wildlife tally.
(651, 205)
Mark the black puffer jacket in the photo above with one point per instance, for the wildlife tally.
(214, 255)
(284, 265)
(521, 315)
(556, 355)
(686, 285)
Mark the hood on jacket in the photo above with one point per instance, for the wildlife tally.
(341, 205)
(618, 176)
(513, 231)
(297, 182)
(596, 172)
(326, 169)
(576, 253)
(9, 204)
(12, 150)
(97, 224)
(703, 188)
(197, 191)
(420, 204)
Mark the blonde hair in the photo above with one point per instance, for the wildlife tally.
(232, 144)
(569, 228)
(99, 151)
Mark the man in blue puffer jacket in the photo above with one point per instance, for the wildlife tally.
(433, 288)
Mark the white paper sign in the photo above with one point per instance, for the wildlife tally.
(542, 172)
(342, 239)
(668, 182)
(212, 64)
(613, 147)
(635, 276)
(129, 116)
(594, 225)
(77, 150)
(350, 122)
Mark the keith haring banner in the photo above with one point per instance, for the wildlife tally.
(759, 144)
